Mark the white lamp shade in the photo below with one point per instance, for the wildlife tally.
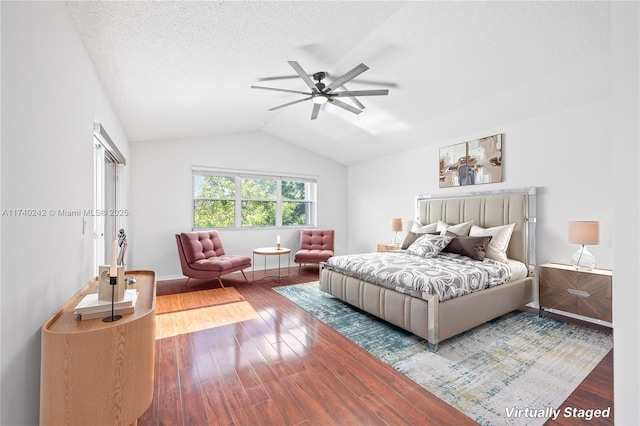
(396, 224)
(584, 232)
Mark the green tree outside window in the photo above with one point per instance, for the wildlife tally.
(258, 202)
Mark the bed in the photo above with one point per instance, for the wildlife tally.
(439, 316)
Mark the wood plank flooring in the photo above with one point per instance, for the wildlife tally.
(248, 356)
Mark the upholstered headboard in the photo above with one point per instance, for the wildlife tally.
(488, 209)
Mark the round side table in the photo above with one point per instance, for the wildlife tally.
(272, 251)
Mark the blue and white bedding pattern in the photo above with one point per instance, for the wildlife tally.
(445, 275)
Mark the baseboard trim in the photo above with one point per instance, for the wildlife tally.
(170, 277)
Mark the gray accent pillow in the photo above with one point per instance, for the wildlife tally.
(429, 245)
(473, 247)
(412, 236)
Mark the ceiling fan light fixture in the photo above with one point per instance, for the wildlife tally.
(320, 99)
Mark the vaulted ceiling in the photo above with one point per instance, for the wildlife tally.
(184, 69)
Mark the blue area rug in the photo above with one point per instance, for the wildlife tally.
(515, 369)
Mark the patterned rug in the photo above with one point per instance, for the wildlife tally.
(514, 370)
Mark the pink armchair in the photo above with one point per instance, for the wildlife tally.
(316, 246)
(202, 256)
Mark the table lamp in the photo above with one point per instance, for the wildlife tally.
(396, 226)
(583, 233)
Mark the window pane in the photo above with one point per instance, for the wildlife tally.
(258, 189)
(213, 213)
(294, 213)
(258, 200)
(293, 190)
(214, 186)
(258, 213)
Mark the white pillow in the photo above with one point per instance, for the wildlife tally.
(419, 228)
(429, 245)
(500, 237)
(461, 230)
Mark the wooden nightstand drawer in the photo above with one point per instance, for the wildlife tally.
(388, 246)
(585, 293)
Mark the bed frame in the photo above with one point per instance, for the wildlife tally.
(426, 316)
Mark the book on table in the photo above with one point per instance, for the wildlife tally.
(91, 303)
(104, 314)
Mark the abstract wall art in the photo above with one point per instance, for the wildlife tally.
(471, 163)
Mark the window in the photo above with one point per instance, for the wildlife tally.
(244, 200)
(108, 163)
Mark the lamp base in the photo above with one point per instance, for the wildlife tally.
(396, 239)
(583, 260)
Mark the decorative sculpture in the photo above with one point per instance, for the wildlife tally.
(122, 243)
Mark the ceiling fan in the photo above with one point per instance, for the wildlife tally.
(321, 93)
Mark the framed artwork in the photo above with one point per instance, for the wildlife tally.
(471, 163)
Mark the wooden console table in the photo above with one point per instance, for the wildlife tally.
(95, 372)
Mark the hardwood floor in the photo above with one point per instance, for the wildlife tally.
(248, 356)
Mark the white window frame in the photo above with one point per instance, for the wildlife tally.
(108, 189)
(238, 175)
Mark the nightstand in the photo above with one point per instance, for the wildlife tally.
(388, 246)
(585, 293)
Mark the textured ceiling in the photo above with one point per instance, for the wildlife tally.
(184, 69)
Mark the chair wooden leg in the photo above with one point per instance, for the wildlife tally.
(299, 267)
(187, 283)
(245, 277)
(222, 285)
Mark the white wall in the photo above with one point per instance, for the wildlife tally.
(0, 216)
(161, 195)
(626, 136)
(50, 99)
(566, 155)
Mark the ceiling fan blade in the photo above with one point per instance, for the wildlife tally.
(355, 100)
(316, 110)
(376, 83)
(358, 103)
(303, 75)
(345, 106)
(280, 90)
(361, 93)
(290, 103)
(288, 77)
(346, 77)
(280, 77)
(328, 75)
